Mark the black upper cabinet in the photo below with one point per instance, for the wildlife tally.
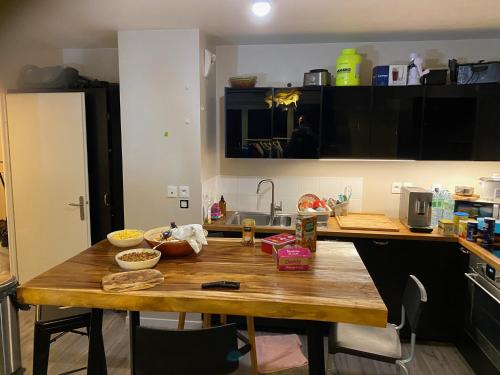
(296, 125)
(486, 147)
(248, 123)
(273, 123)
(454, 122)
(396, 120)
(450, 114)
(346, 122)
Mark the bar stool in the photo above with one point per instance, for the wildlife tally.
(60, 324)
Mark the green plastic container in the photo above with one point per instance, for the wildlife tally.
(348, 68)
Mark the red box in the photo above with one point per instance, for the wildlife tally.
(293, 259)
(277, 241)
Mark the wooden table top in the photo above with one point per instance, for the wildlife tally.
(338, 287)
(333, 230)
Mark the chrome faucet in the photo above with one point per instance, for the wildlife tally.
(274, 207)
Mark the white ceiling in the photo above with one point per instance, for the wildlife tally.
(93, 23)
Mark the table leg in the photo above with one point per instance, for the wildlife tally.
(315, 348)
(134, 320)
(251, 339)
(96, 364)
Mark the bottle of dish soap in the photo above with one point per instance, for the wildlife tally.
(222, 206)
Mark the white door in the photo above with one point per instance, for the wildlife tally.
(48, 180)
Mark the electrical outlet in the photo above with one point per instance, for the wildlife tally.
(172, 191)
(396, 188)
(184, 191)
(436, 187)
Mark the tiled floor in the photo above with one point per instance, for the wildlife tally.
(70, 352)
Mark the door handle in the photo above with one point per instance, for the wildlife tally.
(472, 277)
(81, 204)
(106, 200)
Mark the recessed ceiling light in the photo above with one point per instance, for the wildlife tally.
(261, 7)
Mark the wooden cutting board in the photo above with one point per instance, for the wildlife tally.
(132, 280)
(367, 222)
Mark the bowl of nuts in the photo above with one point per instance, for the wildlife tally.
(138, 259)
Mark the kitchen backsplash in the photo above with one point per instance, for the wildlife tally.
(240, 191)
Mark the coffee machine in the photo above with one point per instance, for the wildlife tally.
(415, 209)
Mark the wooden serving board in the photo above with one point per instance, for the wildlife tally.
(132, 280)
(377, 222)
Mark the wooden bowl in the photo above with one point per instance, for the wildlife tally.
(243, 82)
(171, 249)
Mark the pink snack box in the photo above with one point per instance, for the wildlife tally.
(293, 259)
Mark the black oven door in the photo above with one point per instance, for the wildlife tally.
(483, 316)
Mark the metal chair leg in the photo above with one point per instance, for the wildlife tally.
(330, 365)
(403, 367)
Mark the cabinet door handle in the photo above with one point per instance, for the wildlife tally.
(463, 250)
(106, 200)
(381, 243)
(472, 277)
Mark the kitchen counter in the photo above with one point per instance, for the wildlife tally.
(482, 253)
(333, 230)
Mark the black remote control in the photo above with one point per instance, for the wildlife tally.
(221, 284)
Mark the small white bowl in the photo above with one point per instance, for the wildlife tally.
(141, 265)
(129, 242)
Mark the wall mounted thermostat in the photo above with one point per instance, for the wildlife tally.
(184, 203)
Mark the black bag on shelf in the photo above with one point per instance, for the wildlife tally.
(55, 77)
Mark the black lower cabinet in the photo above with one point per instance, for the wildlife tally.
(440, 267)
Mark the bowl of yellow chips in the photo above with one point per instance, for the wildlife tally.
(126, 237)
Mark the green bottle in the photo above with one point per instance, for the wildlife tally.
(348, 68)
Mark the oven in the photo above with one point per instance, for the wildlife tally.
(483, 308)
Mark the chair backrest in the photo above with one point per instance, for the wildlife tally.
(210, 351)
(414, 298)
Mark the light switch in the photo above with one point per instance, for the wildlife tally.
(184, 191)
(396, 188)
(408, 184)
(172, 191)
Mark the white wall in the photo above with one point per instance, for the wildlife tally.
(160, 92)
(209, 151)
(276, 65)
(95, 63)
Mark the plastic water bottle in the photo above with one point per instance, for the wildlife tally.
(434, 211)
(448, 205)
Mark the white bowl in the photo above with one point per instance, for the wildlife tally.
(141, 265)
(129, 242)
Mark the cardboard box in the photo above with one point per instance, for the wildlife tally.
(277, 241)
(306, 232)
(293, 258)
(398, 75)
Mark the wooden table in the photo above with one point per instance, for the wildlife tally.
(337, 289)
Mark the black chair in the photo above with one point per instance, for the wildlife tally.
(207, 351)
(382, 344)
(59, 327)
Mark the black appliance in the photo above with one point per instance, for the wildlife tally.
(104, 157)
(481, 72)
(482, 320)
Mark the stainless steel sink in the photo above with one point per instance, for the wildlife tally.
(262, 219)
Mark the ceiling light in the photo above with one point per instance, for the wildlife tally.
(261, 7)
